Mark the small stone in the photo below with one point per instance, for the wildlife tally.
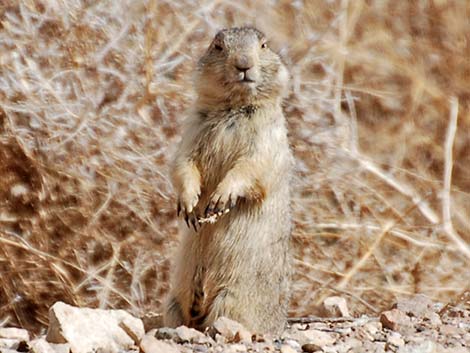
(15, 333)
(319, 338)
(285, 348)
(434, 318)
(454, 350)
(200, 348)
(395, 339)
(8, 350)
(330, 349)
(420, 307)
(425, 347)
(152, 320)
(373, 327)
(235, 348)
(395, 319)
(336, 307)
(186, 334)
(292, 343)
(165, 333)
(417, 306)
(60, 347)
(258, 337)
(364, 335)
(243, 336)
(352, 342)
(369, 330)
(341, 347)
(220, 339)
(310, 348)
(370, 347)
(450, 330)
(132, 326)
(9, 343)
(40, 345)
(149, 344)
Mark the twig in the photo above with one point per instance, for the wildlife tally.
(365, 257)
(448, 165)
(103, 294)
(397, 233)
(400, 186)
(343, 38)
(111, 191)
(357, 321)
(312, 319)
(353, 133)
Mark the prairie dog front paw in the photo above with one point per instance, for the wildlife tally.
(187, 203)
(187, 181)
(223, 199)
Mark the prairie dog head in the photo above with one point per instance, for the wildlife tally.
(239, 68)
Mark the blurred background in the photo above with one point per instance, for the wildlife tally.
(92, 96)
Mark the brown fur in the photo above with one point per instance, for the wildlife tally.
(234, 155)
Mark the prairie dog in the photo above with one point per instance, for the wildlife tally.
(233, 167)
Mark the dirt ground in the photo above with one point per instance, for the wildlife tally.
(414, 326)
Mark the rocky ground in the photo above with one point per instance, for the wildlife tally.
(413, 326)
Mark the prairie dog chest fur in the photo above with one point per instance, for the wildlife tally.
(236, 134)
(232, 178)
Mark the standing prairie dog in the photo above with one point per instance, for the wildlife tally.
(233, 169)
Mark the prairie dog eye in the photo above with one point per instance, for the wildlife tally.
(264, 45)
(218, 47)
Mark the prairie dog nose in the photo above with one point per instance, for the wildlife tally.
(243, 62)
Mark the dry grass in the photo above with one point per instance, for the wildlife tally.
(91, 99)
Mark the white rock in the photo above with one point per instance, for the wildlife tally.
(8, 350)
(149, 344)
(235, 348)
(453, 350)
(88, 330)
(293, 343)
(316, 337)
(435, 319)
(285, 348)
(16, 333)
(60, 347)
(395, 339)
(330, 349)
(134, 327)
(186, 334)
(9, 343)
(353, 342)
(336, 306)
(425, 347)
(373, 327)
(40, 345)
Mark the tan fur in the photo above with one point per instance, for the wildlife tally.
(234, 155)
